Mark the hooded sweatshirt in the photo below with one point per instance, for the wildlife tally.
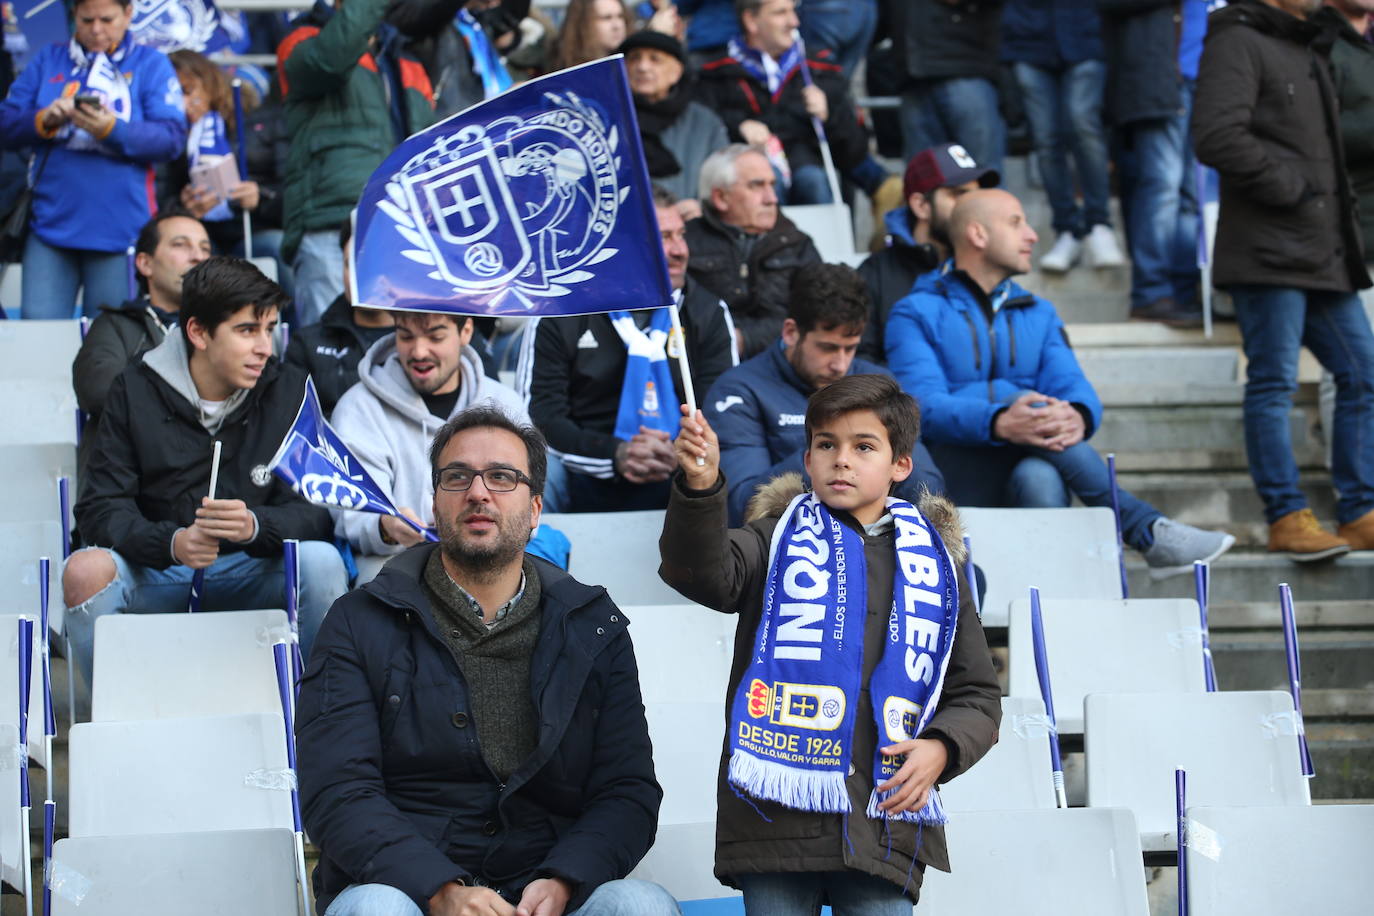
(170, 360)
(388, 427)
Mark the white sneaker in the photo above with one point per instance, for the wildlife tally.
(1103, 248)
(1063, 255)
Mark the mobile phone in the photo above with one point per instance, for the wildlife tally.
(89, 100)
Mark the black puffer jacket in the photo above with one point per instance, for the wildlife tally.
(1352, 61)
(1140, 39)
(756, 287)
(330, 351)
(1265, 118)
(394, 788)
(150, 467)
(938, 40)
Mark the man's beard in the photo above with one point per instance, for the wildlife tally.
(485, 559)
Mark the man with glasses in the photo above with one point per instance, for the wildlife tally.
(471, 735)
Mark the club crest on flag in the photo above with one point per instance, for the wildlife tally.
(171, 25)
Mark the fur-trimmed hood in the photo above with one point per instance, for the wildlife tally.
(771, 499)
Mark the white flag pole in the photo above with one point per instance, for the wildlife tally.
(198, 579)
(689, 393)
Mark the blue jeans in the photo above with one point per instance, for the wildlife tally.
(1161, 207)
(850, 893)
(1064, 109)
(809, 186)
(844, 26)
(235, 582)
(960, 110)
(319, 269)
(1275, 323)
(1025, 477)
(627, 897)
(52, 275)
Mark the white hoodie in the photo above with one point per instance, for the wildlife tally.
(387, 426)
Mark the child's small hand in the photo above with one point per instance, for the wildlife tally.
(926, 759)
(698, 451)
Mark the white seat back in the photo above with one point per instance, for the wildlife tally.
(1039, 863)
(219, 873)
(21, 546)
(38, 410)
(1239, 748)
(618, 550)
(167, 666)
(177, 775)
(1277, 861)
(1066, 553)
(1107, 646)
(31, 475)
(12, 852)
(1015, 774)
(830, 226)
(35, 349)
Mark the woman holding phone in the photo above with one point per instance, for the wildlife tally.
(97, 113)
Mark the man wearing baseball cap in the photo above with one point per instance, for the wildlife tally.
(917, 241)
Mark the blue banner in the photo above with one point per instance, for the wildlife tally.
(173, 25)
(535, 202)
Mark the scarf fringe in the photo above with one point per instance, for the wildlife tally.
(932, 814)
(803, 790)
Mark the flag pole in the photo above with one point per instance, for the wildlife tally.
(971, 578)
(1042, 672)
(198, 579)
(1202, 575)
(25, 677)
(817, 126)
(292, 563)
(285, 693)
(237, 84)
(689, 393)
(64, 506)
(49, 732)
(1181, 811)
(1116, 516)
(1290, 647)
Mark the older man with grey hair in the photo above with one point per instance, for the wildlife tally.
(742, 248)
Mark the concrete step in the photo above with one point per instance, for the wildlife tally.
(1196, 438)
(1128, 367)
(1343, 756)
(1330, 659)
(1223, 499)
(1254, 576)
(1245, 615)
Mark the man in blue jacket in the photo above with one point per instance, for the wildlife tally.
(471, 735)
(1004, 404)
(758, 407)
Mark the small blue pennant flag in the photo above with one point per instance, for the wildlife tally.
(174, 25)
(535, 202)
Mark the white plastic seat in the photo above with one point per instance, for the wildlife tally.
(1015, 774)
(1107, 646)
(1061, 862)
(38, 410)
(31, 475)
(1066, 553)
(684, 652)
(163, 666)
(9, 690)
(830, 227)
(214, 873)
(1238, 747)
(11, 829)
(1279, 861)
(618, 550)
(177, 775)
(35, 349)
(21, 546)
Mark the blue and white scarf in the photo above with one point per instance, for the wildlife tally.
(792, 719)
(486, 61)
(100, 76)
(647, 398)
(751, 59)
(210, 137)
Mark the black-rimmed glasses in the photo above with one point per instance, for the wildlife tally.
(497, 480)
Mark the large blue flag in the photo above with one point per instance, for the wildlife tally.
(316, 463)
(535, 202)
(173, 25)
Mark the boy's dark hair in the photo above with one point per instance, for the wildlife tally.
(218, 287)
(536, 449)
(150, 236)
(896, 409)
(346, 231)
(828, 296)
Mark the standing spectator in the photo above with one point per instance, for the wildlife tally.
(98, 112)
(1288, 250)
(1056, 50)
(742, 248)
(591, 30)
(677, 133)
(948, 51)
(462, 44)
(843, 27)
(758, 90)
(1152, 49)
(352, 94)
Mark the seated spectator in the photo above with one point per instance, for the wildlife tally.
(352, 93)
(1056, 54)
(917, 233)
(506, 763)
(759, 92)
(144, 511)
(463, 45)
(1004, 405)
(97, 111)
(677, 133)
(757, 407)
(742, 249)
(330, 351)
(169, 245)
(610, 422)
(592, 29)
(409, 384)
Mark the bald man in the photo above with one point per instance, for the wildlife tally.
(1005, 408)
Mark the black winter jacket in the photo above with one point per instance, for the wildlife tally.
(889, 275)
(394, 788)
(1140, 38)
(1352, 62)
(150, 467)
(756, 288)
(330, 351)
(938, 40)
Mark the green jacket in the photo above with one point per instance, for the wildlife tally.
(339, 110)
(1352, 60)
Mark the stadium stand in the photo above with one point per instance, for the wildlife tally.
(1015, 774)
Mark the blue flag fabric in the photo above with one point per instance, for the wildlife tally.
(485, 58)
(536, 202)
(173, 25)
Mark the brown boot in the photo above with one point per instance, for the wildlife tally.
(1302, 537)
(1360, 532)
